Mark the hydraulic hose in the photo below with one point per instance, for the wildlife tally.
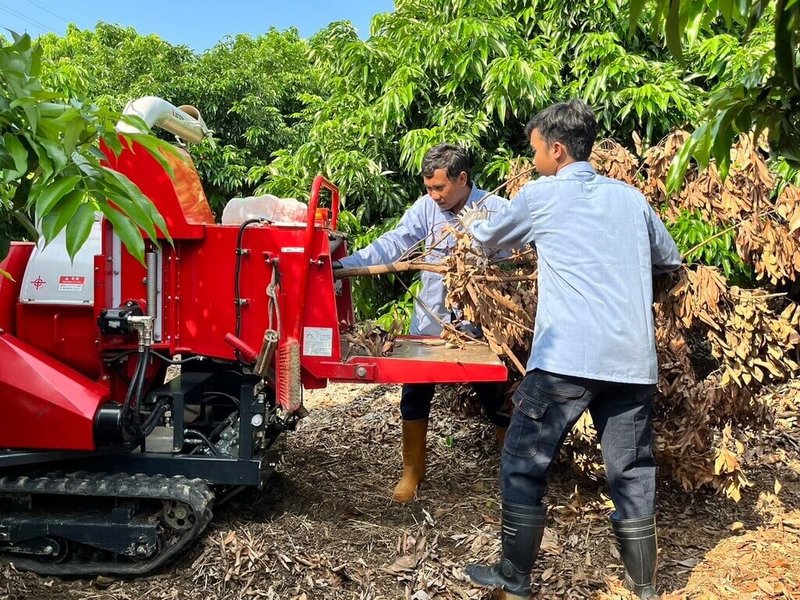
(131, 417)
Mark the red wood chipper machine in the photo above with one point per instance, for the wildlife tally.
(134, 396)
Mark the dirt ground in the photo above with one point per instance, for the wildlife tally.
(326, 527)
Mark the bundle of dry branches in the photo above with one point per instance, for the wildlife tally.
(719, 346)
(500, 293)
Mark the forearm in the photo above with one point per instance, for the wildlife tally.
(380, 252)
(506, 229)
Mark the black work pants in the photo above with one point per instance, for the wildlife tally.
(415, 401)
(548, 405)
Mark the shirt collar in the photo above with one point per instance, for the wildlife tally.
(580, 166)
(474, 195)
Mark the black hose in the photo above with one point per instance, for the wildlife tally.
(237, 292)
(131, 418)
(230, 397)
(127, 403)
(137, 395)
(227, 422)
(207, 442)
(120, 356)
(166, 359)
(155, 416)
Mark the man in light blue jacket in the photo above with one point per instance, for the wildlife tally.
(598, 243)
(424, 227)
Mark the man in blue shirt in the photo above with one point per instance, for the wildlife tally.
(598, 243)
(424, 227)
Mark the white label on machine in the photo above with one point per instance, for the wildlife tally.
(317, 341)
(293, 250)
(71, 283)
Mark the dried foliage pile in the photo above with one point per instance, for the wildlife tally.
(720, 346)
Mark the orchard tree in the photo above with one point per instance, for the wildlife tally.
(111, 64)
(473, 72)
(249, 91)
(51, 163)
(753, 62)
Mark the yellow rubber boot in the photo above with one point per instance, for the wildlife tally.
(414, 434)
(508, 596)
(501, 435)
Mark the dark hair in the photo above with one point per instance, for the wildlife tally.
(452, 158)
(572, 123)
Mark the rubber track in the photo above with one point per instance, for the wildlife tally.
(193, 492)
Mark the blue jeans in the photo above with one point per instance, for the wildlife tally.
(548, 405)
(415, 401)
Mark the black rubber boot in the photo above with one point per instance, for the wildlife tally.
(522, 530)
(636, 540)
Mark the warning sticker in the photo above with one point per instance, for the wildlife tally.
(317, 341)
(71, 283)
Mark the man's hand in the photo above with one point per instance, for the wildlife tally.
(470, 329)
(471, 215)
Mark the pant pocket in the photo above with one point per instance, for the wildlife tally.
(643, 438)
(527, 424)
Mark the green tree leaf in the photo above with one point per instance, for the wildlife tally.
(54, 222)
(635, 11)
(52, 193)
(128, 233)
(18, 154)
(79, 227)
(787, 21)
(672, 29)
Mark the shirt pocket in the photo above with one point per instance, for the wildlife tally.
(440, 242)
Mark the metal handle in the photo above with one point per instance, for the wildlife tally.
(319, 183)
(313, 203)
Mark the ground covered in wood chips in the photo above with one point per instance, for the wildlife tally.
(327, 529)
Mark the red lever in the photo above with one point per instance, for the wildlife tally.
(248, 354)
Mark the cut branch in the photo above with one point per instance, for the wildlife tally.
(398, 267)
(403, 267)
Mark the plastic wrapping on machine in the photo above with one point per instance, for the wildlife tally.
(272, 208)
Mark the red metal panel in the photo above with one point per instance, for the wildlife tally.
(67, 333)
(13, 264)
(208, 270)
(202, 308)
(44, 405)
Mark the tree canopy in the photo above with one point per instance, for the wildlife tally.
(753, 59)
(52, 167)
(473, 72)
(249, 90)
